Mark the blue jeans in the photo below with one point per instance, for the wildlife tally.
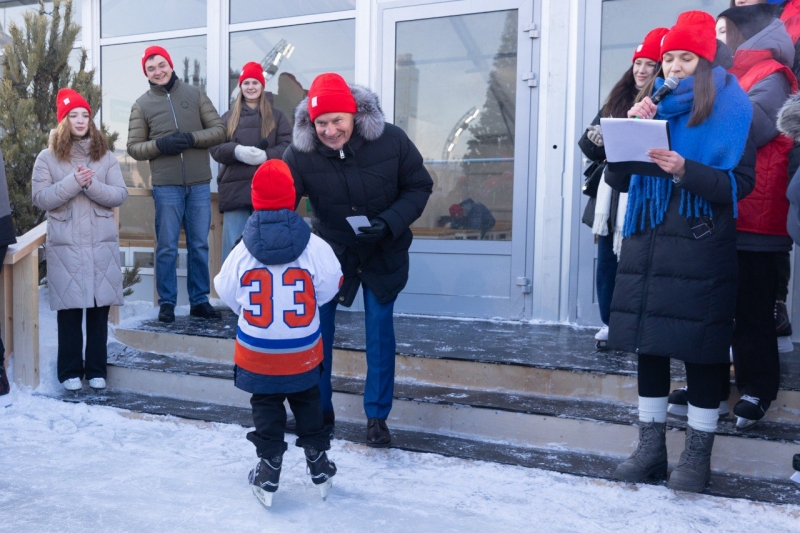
(606, 275)
(379, 325)
(233, 223)
(190, 207)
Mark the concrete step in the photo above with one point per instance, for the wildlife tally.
(540, 421)
(544, 360)
(580, 463)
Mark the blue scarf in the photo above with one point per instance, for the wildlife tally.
(718, 142)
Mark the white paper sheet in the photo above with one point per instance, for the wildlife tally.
(628, 139)
(356, 222)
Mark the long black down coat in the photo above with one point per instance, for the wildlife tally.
(378, 173)
(675, 294)
(235, 177)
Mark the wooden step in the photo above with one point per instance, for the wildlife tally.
(577, 424)
(598, 466)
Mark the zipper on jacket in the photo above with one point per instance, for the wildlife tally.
(175, 118)
(646, 286)
(341, 153)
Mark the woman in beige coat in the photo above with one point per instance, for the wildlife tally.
(77, 180)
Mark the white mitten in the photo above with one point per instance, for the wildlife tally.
(250, 155)
(595, 134)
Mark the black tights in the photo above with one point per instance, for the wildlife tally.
(706, 383)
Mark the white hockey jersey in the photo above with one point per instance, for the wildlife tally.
(278, 332)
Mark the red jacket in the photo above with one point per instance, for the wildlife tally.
(765, 210)
(791, 19)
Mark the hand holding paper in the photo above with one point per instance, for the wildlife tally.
(630, 142)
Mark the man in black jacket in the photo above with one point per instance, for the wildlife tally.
(350, 162)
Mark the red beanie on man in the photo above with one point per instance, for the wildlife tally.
(651, 45)
(252, 70)
(329, 93)
(151, 51)
(695, 31)
(67, 100)
(273, 187)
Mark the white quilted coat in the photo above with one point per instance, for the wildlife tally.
(83, 268)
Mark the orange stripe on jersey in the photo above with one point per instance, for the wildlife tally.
(278, 364)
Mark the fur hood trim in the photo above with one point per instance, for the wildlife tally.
(789, 118)
(369, 118)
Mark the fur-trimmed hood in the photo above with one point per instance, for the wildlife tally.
(789, 118)
(369, 118)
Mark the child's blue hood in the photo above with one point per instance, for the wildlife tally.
(276, 237)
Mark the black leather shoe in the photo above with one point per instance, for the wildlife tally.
(204, 310)
(166, 313)
(378, 435)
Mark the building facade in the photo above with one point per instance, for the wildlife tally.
(494, 93)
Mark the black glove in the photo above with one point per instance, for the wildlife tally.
(174, 143)
(373, 233)
(263, 143)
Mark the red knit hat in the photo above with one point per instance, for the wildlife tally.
(651, 46)
(151, 51)
(329, 93)
(67, 100)
(273, 187)
(456, 211)
(695, 32)
(252, 70)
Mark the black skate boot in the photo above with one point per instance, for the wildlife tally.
(749, 410)
(694, 468)
(321, 469)
(678, 404)
(649, 459)
(265, 477)
(796, 464)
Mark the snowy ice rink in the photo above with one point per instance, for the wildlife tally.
(66, 467)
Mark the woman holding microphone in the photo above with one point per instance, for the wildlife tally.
(256, 132)
(602, 214)
(675, 294)
(78, 182)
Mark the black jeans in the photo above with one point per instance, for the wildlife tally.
(706, 383)
(784, 275)
(70, 343)
(269, 418)
(755, 344)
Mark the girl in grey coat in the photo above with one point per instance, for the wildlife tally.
(77, 180)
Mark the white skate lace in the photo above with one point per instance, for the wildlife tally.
(751, 399)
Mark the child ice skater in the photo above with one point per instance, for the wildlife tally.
(275, 279)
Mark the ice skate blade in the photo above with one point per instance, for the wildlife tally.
(325, 489)
(601, 346)
(795, 477)
(745, 423)
(263, 496)
(678, 410)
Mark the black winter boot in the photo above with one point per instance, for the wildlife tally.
(378, 435)
(321, 469)
(204, 310)
(265, 477)
(694, 468)
(166, 313)
(650, 457)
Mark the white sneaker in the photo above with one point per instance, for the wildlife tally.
(602, 335)
(785, 345)
(73, 384)
(97, 383)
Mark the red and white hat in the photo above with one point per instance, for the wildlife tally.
(67, 100)
(329, 93)
(252, 70)
(151, 51)
(651, 45)
(273, 187)
(695, 31)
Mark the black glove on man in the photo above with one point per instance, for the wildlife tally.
(263, 143)
(373, 233)
(175, 143)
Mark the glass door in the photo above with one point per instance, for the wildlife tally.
(454, 79)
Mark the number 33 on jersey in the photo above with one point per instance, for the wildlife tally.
(278, 306)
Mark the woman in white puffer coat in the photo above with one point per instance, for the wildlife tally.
(77, 180)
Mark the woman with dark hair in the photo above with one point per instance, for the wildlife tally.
(78, 182)
(256, 132)
(602, 212)
(763, 53)
(675, 294)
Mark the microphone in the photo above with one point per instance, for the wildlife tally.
(670, 84)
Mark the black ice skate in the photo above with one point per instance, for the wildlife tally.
(749, 410)
(321, 469)
(264, 479)
(796, 464)
(601, 339)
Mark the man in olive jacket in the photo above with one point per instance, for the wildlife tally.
(172, 126)
(350, 162)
